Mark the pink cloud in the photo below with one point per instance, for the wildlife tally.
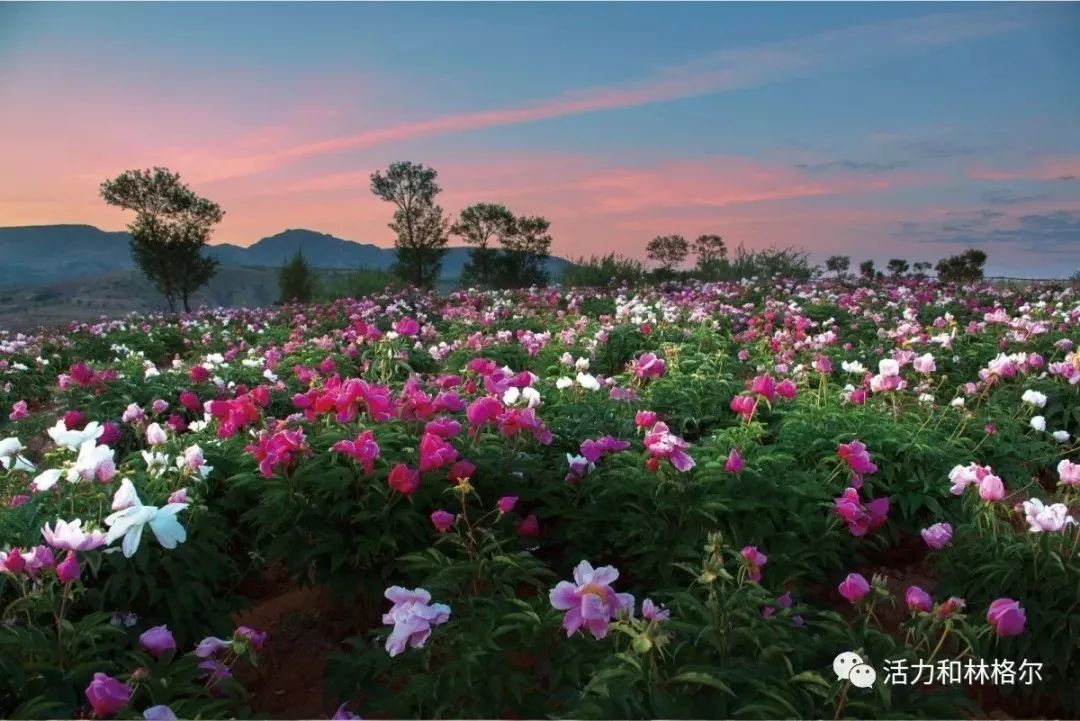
(1047, 168)
(717, 72)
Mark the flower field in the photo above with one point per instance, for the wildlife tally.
(678, 502)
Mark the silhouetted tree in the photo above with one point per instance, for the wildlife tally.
(667, 250)
(171, 227)
(897, 267)
(420, 261)
(295, 280)
(866, 270)
(920, 268)
(527, 249)
(838, 264)
(967, 267)
(710, 250)
(478, 225)
(419, 223)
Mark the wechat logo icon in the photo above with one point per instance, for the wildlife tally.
(850, 667)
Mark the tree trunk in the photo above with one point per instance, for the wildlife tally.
(187, 306)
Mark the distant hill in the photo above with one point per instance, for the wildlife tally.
(35, 255)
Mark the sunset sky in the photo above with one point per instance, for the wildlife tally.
(911, 130)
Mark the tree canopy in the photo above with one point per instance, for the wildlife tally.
(171, 228)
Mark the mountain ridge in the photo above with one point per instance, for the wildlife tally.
(38, 254)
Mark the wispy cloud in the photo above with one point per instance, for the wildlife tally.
(719, 72)
(854, 165)
(1056, 231)
(1008, 197)
(1058, 167)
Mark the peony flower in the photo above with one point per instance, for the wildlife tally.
(661, 444)
(590, 601)
(755, 559)
(343, 714)
(822, 364)
(855, 455)
(734, 462)
(157, 640)
(10, 458)
(18, 411)
(787, 389)
(1038, 423)
(937, 536)
(412, 617)
(403, 479)
(991, 488)
(72, 439)
(442, 520)
(854, 588)
(133, 412)
(1007, 617)
(1034, 398)
(764, 386)
(159, 713)
(924, 364)
(1048, 519)
(253, 638)
(588, 382)
(653, 612)
(155, 435)
(483, 410)
(71, 537)
(94, 461)
(529, 527)
(364, 450)
(106, 695)
(506, 503)
(129, 522)
(461, 471)
(594, 450)
(644, 419)
(1068, 473)
(918, 600)
(435, 452)
(861, 519)
(648, 365)
(68, 570)
(954, 604)
(209, 646)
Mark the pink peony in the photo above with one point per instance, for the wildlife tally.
(529, 527)
(412, 617)
(18, 411)
(1007, 617)
(157, 640)
(662, 444)
(442, 520)
(590, 601)
(649, 366)
(403, 479)
(918, 600)
(1068, 473)
(106, 695)
(854, 588)
(856, 457)
(483, 410)
(364, 450)
(937, 536)
(755, 559)
(68, 570)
